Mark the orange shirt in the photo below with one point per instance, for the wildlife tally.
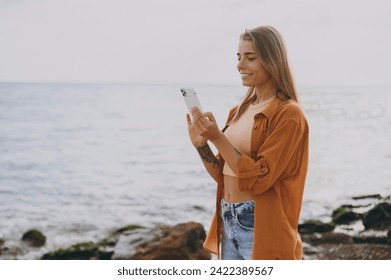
(275, 174)
(239, 132)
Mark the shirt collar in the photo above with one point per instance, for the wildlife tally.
(271, 108)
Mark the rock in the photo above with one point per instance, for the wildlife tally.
(371, 237)
(199, 208)
(376, 196)
(342, 215)
(34, 238)
(79, 251)
(311, 226)
(351, 206)
(102, 250)
(127, 228)
(181, 242)
(378, 217)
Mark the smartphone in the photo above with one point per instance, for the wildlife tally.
(191, 99)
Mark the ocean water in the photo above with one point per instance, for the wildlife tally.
(78, 161)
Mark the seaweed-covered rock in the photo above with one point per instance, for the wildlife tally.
(343, 215)
(79, 251)
(378, 217)
(312, 226)
(127, 228)
(102, 250)
(34, 238)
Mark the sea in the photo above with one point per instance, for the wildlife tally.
(78, 161)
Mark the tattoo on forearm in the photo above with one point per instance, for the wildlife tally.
(207, 155)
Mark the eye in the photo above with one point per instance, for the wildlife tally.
(251, 58)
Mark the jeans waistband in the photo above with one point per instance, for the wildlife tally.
(233, 206)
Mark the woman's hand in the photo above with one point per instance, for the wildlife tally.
(205, 125)
(196, 139)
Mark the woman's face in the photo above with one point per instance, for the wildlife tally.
(251, 70)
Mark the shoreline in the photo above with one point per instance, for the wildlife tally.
(348, 235)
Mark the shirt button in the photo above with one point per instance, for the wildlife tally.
(255, 127)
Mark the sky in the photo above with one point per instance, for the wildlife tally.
(330, 42)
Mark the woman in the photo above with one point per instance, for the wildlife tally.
(262, 162)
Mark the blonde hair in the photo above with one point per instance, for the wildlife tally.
(271, 51)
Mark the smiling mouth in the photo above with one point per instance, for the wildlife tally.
(244, 75)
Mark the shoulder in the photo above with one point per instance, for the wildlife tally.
(288, 111)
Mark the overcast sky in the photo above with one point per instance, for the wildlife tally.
(330, 42)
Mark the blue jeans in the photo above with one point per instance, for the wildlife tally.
(238, 230)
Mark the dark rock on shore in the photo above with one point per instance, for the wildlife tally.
(375, 196)
(373, 243)
(181, 242)
(34, 238)
(102, 250)
(79, 251)
(379, 217)
(312, 226)
(346, 239)
(127, 228)
(343, 215)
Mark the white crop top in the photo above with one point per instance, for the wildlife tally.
(239, 132)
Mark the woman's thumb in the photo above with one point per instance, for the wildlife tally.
(188, 119)
(210, 116)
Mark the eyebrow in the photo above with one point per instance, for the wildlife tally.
(247, 53)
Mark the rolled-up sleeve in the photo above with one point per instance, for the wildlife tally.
(273, 157)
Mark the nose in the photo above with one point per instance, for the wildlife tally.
(240, 64)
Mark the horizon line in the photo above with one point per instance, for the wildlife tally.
(184, 83)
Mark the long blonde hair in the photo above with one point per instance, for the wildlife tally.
(271, 51)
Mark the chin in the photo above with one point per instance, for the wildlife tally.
(246, 84)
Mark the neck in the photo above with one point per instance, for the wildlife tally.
(263, 93)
